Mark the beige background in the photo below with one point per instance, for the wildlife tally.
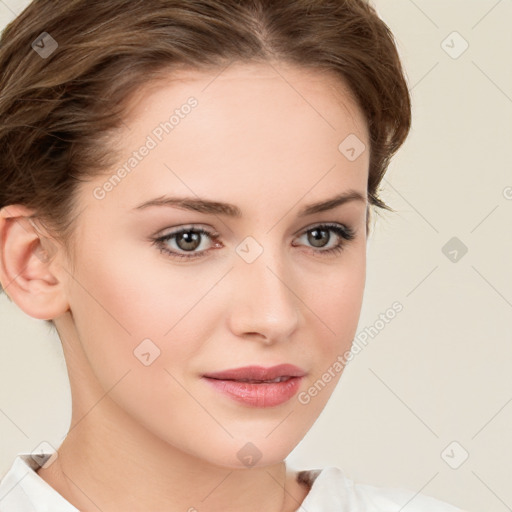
(440, 371)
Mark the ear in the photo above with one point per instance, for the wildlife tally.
(28, 265)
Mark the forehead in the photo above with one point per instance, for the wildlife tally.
(274, 128)
(319, 88)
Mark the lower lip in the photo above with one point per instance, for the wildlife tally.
(258, 395)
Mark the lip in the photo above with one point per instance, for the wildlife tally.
(258, 372)
(233, 383)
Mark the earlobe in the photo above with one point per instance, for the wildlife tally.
(28, 265)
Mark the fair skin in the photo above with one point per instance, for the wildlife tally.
(157, 437)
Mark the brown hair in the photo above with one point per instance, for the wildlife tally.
(59, 112)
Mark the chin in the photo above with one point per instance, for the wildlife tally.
(247, 455)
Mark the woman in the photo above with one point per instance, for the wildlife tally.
(185, 190)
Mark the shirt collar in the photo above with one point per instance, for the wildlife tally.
(23, 490)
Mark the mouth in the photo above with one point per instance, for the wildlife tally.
(257, 386)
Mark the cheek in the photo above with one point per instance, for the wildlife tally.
(337, 296)
(345, 300)
(137, 337)
(333, 316)
(132, 306)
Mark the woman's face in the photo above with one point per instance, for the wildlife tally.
(265, 287)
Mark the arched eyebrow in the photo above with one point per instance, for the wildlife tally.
(230, 210)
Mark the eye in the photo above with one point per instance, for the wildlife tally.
(319, 236)
(189, 239)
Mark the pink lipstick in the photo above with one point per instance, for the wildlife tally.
(258, 386)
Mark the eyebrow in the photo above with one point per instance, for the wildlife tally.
(218, 208)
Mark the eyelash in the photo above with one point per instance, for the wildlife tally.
(344, 232)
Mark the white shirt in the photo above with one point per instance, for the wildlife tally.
(23, 490)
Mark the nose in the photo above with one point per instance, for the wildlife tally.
(264, 305)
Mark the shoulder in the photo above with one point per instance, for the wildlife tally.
(330, 487)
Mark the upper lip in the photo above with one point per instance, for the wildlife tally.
(258, 373)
